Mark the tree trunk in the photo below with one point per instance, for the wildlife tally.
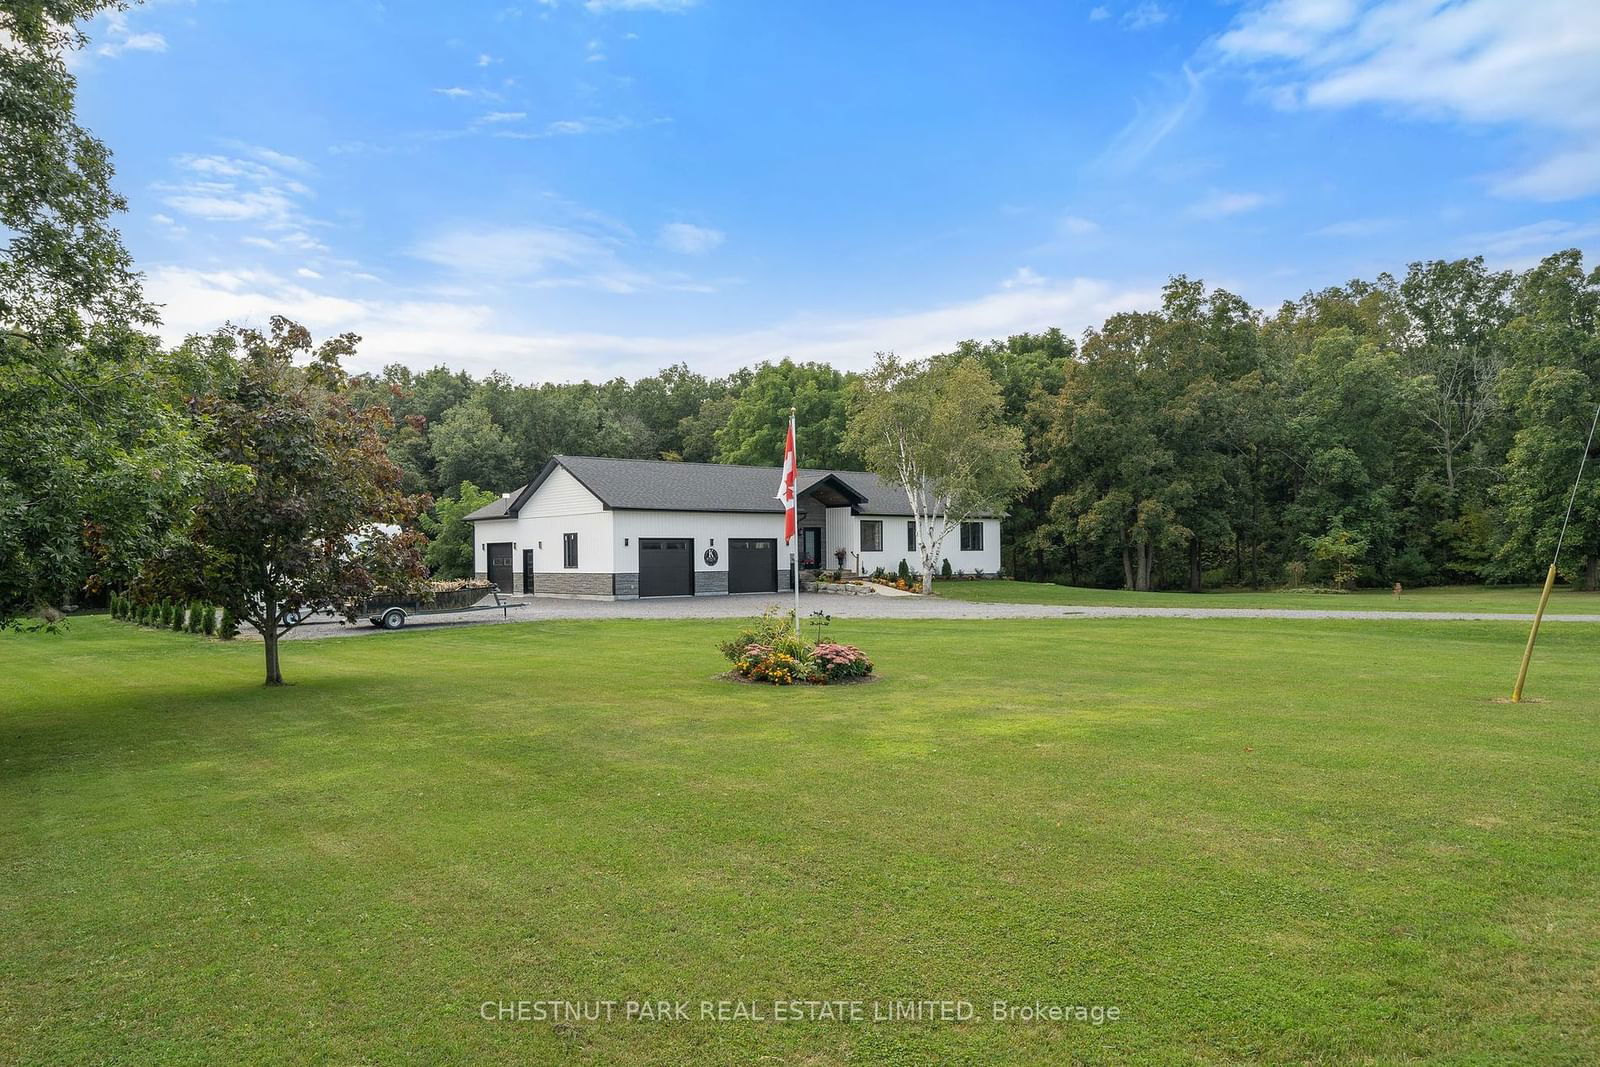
(1127, 568)
(1449, 462)
(1146, 561)
(1591, 573)
(269, 639)
(1194, 564)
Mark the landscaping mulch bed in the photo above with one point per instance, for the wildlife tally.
(735, 676)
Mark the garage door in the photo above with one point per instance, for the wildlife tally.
(666, 567)
(753, 566)
(500, 565)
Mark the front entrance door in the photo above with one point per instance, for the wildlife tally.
(811, 546)
(500, 565)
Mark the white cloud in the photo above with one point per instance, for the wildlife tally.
(1523, 63)
(1023, 276)
(1354, 228)
(455, 92)
(484, 59)
(1153, 121)
(1145, 16)
(120, 38)
(1075, 226)
(1524, 245)
(306, 272)
(639, 5)
(235, 191)
(1222, 204)
(503, 116)
(689, 239)
(545, 257)
(1099, 14)
(474, 336)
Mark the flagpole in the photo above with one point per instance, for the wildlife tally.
(794, 556)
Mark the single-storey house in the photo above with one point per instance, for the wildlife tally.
(625, 528)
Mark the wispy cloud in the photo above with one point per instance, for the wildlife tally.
(1145, 16)
(1522, 245)
(673, 6)
(1154, 120)
(688, 239)
(546, 257)
(1223, 204)
(233, 190)
(1354, 228)
(1099, 14)
(480, 337)
(1524, 63)
(120, 37)
(1076, 226)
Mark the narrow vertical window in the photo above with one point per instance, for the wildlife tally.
(569, 550)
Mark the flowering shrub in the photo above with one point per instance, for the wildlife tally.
(768, 630)
(763, 664)
(836, 662)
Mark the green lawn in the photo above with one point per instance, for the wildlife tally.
(1281, 841)
(1515, 599)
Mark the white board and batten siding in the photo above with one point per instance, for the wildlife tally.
(986, 559)
(707, 529)
(561, 506)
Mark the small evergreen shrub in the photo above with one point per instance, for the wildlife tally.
(208, 619)
(176, 624)
(230, 625)
(904, 571)
(944, 571)
(194, 616)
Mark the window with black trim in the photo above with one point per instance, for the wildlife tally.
(972, 537)
(911, 536)
(569, 550)
(871, 535)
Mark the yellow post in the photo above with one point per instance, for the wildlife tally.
(1538, 617)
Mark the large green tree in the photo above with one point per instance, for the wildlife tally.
(754, 432)
(1552, 382)
(450, 542)
(94, 463)
(936, 430)
(316, 519)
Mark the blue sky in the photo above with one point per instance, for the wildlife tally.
(568, 189)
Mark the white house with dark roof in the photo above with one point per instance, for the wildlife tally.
(625, 528)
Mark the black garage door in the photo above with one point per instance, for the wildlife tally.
(500, 565)
(666, 567)
(753, 566)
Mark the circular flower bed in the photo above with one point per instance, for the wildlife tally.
(769, 651)
(820, 664)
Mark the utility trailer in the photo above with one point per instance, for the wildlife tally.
(391, 613)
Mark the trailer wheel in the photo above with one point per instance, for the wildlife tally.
(393, 619)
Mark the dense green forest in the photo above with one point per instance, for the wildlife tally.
(1420, 429)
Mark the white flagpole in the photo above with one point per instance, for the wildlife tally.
(795, 555)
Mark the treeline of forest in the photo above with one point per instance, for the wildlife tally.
(1421, 429)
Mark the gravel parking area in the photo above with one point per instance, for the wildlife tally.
(533, 609)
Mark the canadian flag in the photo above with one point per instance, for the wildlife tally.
(786, 484)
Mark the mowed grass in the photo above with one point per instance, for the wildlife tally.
(1260, 840)
(1499, 599)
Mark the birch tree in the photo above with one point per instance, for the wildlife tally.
(936, 429)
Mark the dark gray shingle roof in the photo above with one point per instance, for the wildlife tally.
(659, 485)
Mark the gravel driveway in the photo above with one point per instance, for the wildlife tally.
(870, 606)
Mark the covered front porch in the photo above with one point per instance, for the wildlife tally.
(826, 524)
